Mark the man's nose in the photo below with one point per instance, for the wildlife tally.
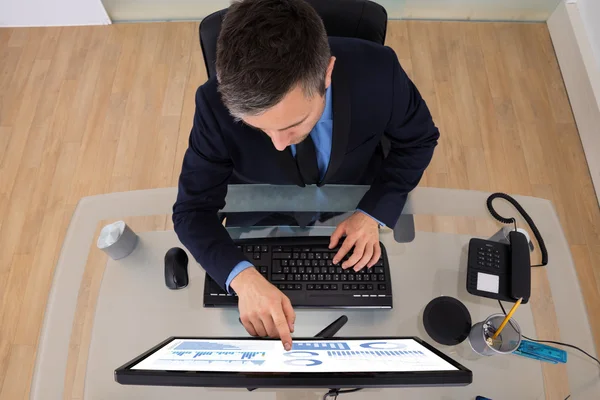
(280, 141)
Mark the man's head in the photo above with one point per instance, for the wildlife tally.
(273, 67)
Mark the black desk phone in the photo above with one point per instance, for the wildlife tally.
(503, 271)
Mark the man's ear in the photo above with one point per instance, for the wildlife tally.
(329, 72)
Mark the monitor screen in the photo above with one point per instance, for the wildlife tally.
(320, 356)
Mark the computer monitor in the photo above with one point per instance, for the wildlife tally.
(312, 362)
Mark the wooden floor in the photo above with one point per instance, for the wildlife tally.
(89, 110)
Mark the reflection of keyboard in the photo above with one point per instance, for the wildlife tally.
(302, 267)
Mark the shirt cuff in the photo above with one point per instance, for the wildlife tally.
(366, 213)
(235, 271)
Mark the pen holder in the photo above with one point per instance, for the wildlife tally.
(507, 342)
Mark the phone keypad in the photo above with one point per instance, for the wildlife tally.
(488, 257)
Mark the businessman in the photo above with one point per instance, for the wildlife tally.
(291, 106)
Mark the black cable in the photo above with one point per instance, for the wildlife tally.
(511, 220)
(333, 393)
(549, 341)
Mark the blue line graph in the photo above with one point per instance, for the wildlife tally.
(205, 346)
(320, 346)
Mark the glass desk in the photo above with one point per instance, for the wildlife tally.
(102, 313)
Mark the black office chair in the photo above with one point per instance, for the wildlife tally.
(360, 19)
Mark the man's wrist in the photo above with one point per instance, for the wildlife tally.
(243, 278)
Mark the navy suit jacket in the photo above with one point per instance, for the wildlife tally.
(383, 136)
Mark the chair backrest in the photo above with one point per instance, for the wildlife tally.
(360, 19)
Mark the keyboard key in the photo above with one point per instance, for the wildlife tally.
(359, 277)
(264, 248)
(334, 287)
(382, 286)
(286, 270)
(322, 263)
(303, 256)
(296, 256)
(378, 270)
(316, 270)
(338, 270)
(263, 270)
(292, 263)
(311, 256)
(369, 287)
(329, 263)
(362, 271)
(354, 287)
(277, 277)
(284, 263)
(257, 249)
(331, 270)
(285, 256)
(345, 287)
(290, 286)
(310, 287)
(313, 277)
(287, 248)
(366, 277)
(276, 249)
(336, 277)
(297, 286)
(326, 287)
(281, 286)
(381, 277)
(370, 270)
(318, 287)
(306, 249)
(315, 263)
(343, 277)
(293, 270)
(301, 270)
(320, 277)
(239, 248)
(347, 270)
(300, 263)
(351, 277)
(379, 263)
(362, 287)
(297, 277)
(304, 277)
(290, 277)
(309, 270)
(277, 268)
(328, 277)
(318, 256)
(249, 249)
(326, 256)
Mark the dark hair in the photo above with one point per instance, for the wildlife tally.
(265, 49)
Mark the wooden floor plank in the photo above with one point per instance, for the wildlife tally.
(99, 109)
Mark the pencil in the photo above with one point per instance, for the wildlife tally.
(507, 318)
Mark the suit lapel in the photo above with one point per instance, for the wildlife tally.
(341, 120)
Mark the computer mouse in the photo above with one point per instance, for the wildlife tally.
(176, 262)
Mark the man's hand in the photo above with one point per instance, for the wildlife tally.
(362, 233)
(264, 309)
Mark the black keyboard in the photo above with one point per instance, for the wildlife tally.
(302, 267)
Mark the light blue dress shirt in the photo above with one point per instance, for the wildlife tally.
(322, 135)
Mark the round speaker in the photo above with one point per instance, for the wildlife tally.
(447, 320)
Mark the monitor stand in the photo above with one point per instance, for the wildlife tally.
(328, 332)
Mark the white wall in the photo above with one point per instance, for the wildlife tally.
(590, 14)
(581, 74)
(52, 12)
